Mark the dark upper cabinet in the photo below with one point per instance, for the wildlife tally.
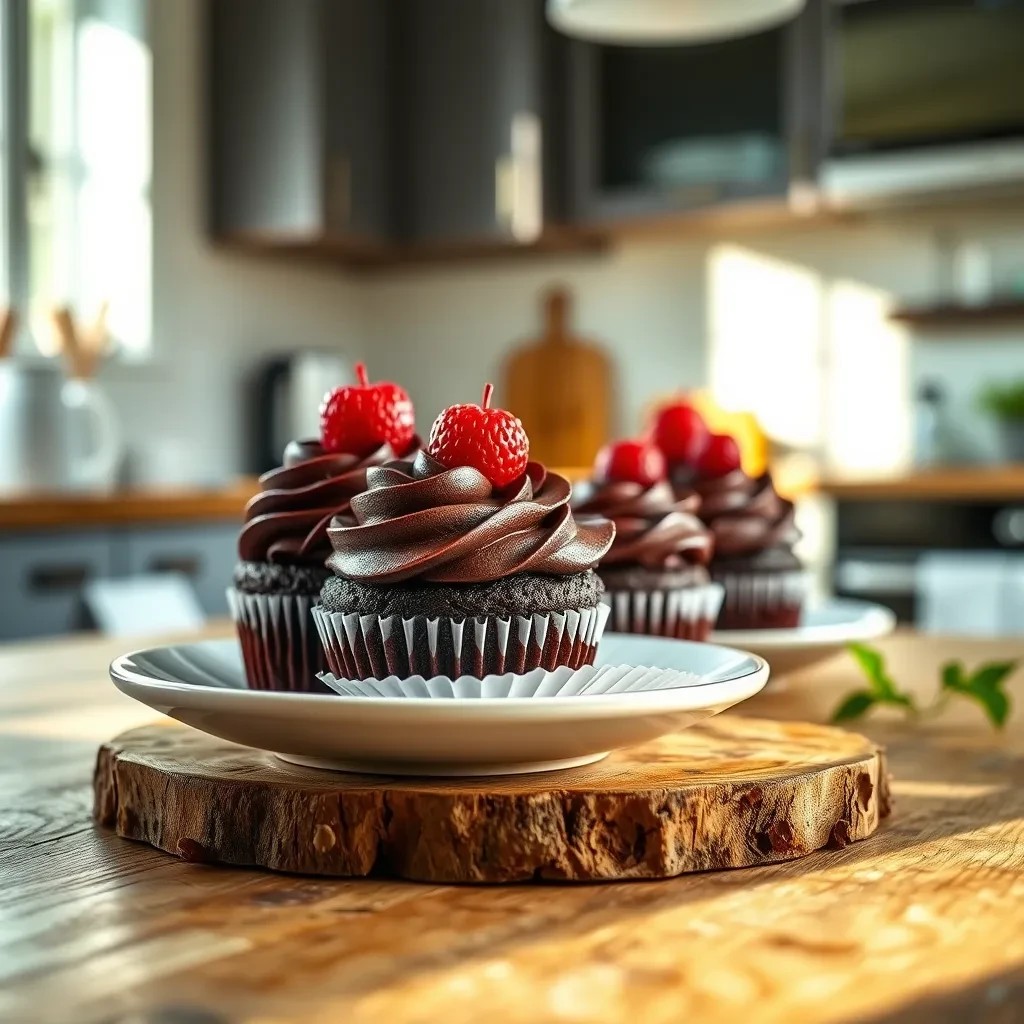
(300, 120)
(478, 119)
(663, 128)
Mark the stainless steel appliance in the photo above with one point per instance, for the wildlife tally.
(286, 400)
(924, 97)
(940, 565)
(55, 433)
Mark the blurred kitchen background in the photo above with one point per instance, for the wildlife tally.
(211, 209)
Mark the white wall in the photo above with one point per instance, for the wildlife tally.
(442, 331)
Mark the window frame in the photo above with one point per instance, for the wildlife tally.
(14, 99)
(17, 170)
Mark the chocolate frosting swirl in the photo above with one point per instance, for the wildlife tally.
(418, 520)
(287, 521)
(746, 514)
(653, 528)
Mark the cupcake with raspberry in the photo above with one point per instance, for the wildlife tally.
(755, 531)
(283, 545)
(464, 560)
(656, 572)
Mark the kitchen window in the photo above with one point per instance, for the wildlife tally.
(75, 166)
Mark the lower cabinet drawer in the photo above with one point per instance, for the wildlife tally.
(41, 581)
(204, 553)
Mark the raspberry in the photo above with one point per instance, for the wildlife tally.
(359, 418)
(490, 440)
(637, 462)
(680, 433)
(721, 456)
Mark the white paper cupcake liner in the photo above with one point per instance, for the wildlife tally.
(375, 647)
(686, 613)
(762, 600)
(562, 682)
(280, 646)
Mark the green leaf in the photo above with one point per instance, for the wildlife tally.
(873, 666)
(991, 676)
(952, 676)
(985, 686)
(880, 683)
(853, 706)
(995, 704)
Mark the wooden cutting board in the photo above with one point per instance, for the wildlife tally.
(730, 792)
(561, 387)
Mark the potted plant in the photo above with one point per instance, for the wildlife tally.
(1006, 403)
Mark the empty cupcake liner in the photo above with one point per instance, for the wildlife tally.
(562, 682)
(686, 613)
(375, 647)
(762, 600)
(280, 646)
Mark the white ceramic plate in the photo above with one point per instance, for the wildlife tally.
(202, 685)
(824, 631)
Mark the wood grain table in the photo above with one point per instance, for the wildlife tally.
(924, 921)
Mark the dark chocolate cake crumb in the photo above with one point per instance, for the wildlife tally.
(636, 577)
(268, 578)
(522, 594)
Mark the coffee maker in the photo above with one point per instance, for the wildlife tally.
(286, 399)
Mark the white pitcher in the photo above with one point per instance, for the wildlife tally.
(55, 433)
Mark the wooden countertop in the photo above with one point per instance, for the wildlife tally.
(922, 922)
(47, 511)
(952, 483)
(35, 510)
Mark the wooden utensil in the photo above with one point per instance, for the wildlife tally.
(8, 329)
(561, 387)
(83, 349)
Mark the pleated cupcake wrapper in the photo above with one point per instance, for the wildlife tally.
(686, 613)
(562, 682)
(749, 595)
(280, 646)
(375, 647)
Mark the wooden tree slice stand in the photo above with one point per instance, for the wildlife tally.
(731, 792)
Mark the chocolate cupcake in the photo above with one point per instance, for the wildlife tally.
(283, 548)
(754, 532)
(655, 574)
(465, 560)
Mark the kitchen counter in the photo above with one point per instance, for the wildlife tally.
(924, 921)
(952, 483)
(167, 505)
(37, 510)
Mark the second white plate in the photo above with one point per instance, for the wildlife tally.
(825, 630)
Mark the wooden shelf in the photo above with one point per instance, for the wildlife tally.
(367, 255)
(43, 511)
(953, 483)
(953, 315)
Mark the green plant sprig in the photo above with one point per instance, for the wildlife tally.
(1004, 401)
(985, 686)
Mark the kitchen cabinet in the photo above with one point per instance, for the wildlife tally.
(204, 555)
(369, 129)
(42, 576)
(657, 129)
(479, 122)
(300, 120)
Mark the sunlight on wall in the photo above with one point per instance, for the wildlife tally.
(868, 420)
(816, 361)
(765, 320)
